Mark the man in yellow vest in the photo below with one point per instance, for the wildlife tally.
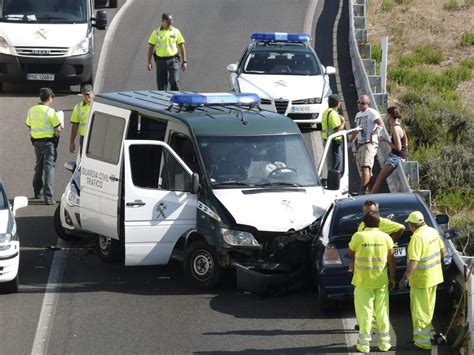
(424, 272)
(332, 122)
(80, 117)
(373, 254)
(394, 229)
(44, 126)
(163, 45)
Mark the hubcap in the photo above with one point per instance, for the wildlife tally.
(104, 243)
(203, 264)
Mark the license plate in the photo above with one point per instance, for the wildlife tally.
(40, 77)
(301, 109)
(399, 252)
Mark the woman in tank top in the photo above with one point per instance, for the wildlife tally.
(399, 145)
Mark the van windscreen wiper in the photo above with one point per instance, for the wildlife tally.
(232, 183)
(283, 184)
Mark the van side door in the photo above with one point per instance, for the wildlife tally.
(334, 166)
(101, 167)
(160, 201)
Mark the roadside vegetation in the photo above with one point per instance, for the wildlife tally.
(431, 77)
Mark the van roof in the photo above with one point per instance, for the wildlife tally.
(204, 121)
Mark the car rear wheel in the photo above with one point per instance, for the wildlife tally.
(109, 250)
(11, 286)
(201, 266)
(59, 229)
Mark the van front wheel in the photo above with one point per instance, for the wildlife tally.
(109, 250)
(201, 265)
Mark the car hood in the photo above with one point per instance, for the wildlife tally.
(290, 87)
(32, 34)
(273, 210)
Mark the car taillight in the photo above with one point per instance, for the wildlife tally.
(331, 257)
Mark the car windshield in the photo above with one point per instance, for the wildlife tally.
(281, 61)
(3, 199)
(346, 220)
(257, 161)
(43, 11)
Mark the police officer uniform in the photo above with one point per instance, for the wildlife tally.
(371, 293)
(330, 123)
(80, 117)
(166, 42)
(43, 123)
(426, 248)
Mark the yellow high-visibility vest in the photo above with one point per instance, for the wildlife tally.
(42, 120)
(80, 116)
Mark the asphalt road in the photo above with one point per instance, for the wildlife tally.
(102, 308)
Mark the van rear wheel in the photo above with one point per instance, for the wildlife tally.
(109, 250)
(201, 265)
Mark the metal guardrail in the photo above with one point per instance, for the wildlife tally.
(398, 181)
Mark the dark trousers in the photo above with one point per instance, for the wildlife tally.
(167, 71)
(43, 179)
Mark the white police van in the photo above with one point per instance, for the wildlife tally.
(49, 41)
(209, 179)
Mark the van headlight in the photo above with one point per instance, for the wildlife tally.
(5, 239)
(72, 197)
(239, 238)
(82, 47)
(4, 46)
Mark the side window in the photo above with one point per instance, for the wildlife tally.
(183, 146)
(143, 127)
(153, 167)
(105, 138)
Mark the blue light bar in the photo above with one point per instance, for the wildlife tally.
(196, 100)
(280, 37)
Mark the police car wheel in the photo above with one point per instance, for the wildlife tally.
(58, 228)
(202, 267)
(109, 250)
(10, 286)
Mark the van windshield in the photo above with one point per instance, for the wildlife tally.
(43, 11)
(257, 161)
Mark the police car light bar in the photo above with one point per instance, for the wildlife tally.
(196, 100)
(280, 37)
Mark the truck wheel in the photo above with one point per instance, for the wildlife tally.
(201, 265)
(109, 250)
(11, 286)
(58, 228)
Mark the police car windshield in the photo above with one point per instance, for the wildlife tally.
(257, 161)
(347, 219)
(282, 62)
(43, 11)
(3, 199)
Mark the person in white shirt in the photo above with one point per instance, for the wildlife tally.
(367, 141)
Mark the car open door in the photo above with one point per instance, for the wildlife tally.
(334, 173)
(101, 167)
(160, 201)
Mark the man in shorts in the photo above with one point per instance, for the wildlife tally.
(367, 141)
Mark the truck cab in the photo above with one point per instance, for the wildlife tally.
(210, 179)
(49, 41)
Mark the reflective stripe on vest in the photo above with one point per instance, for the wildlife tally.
(165, 46)
(428, 266)
(34, 117)
(82, 122)
(370, 267)
(370, 259)
(422, 332)
(432, 256)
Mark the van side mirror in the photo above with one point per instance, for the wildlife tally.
(19, 202)
(195, 183)
(334, 180)
(70, 166)
(100, 20)
(452, 234)
(232, 68)
(442, 219)
(330, 70)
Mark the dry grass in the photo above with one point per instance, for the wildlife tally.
(424, 23)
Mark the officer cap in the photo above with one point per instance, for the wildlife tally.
(415, 217)
(87, 89)
(333, 100)
(46, 93)
(167, 17)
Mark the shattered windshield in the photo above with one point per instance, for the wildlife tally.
(43, 11)
(257, 161)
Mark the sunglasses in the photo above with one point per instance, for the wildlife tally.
(362, 103)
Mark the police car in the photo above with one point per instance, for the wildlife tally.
(209, 179)
(9, 241)
(284, 70)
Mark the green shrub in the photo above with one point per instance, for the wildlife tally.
(422, 55)
(387, 5)
(465, 224)
(451, 5)
(376, 52)
(467, 39)
(468, 63)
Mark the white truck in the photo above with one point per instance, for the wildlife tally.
(49, 41)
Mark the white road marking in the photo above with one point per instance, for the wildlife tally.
(48, 309)
(309, 18)
(108, 40)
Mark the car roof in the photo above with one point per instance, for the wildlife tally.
(382, 199)
(204, 121)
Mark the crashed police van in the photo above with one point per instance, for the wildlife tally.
(209, 179)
